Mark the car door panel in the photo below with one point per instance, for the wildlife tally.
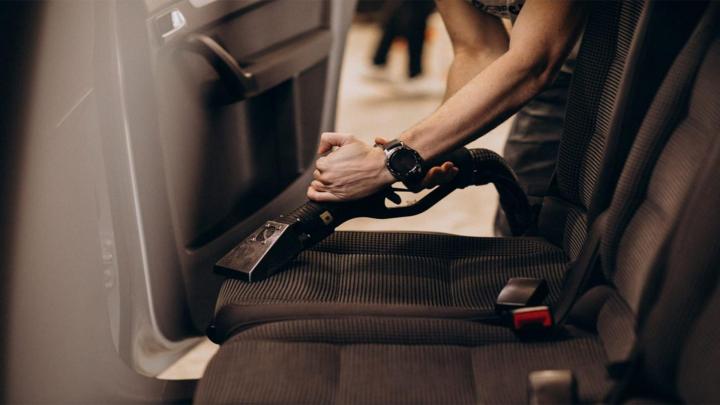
(207, 159)
(133, 166)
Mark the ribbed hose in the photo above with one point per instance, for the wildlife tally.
(489, 167)
(477, 167)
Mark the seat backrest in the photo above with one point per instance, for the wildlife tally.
(696, 372)
(679, 354)
(664, 161)
(609, 95)
(678, 358)
(661, 166)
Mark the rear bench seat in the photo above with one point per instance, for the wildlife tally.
(411, 359)
(413, 274)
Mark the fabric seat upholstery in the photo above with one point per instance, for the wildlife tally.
(434, 272)
(373, 267)
(373, 359)
(444, 271)
(376, 360)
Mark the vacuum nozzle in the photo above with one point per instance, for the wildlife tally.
(262, 253)
(275, 244)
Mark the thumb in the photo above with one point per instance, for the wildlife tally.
(380, 140)
(328, 140)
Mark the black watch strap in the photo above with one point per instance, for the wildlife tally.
(393, 144)
(403, 162)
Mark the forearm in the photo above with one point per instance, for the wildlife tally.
(465, 67)
(477, 38)
(543, 35)
(489, 98)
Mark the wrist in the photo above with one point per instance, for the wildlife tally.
(384, 173)
(412, 140)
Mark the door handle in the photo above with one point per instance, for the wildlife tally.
(268, 69)
(239, 82)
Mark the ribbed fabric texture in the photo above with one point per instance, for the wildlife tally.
(358, 361)
(593, 155)
(405, 268)
(683, 325)
(680, 125)
(616, 324)
(603, 51)
(700, 362)
(692, 273)
(590, 111)
(575, 232)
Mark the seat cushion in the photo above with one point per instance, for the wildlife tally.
(381, 360)
(398, 272)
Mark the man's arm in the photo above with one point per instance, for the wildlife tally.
(477, 38)
(541, 39)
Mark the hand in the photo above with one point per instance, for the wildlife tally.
(437, 175)
(353, 170)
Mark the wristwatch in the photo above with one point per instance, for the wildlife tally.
(403, 162)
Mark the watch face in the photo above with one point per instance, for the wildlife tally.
(403, 161)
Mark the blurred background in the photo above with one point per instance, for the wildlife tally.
(373, 103)
(376, 100)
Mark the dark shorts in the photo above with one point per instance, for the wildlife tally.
(534, 139)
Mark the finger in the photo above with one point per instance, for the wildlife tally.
(328, 140)
(430, 178)
(321, 176)
(446, 172)
(321, 196)
(318, 185)
(380, 141)
(440, 174)
(321, 164)
(444, 177)
(447, 166)
(448, 176)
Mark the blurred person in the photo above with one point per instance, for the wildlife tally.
(493, 76)
(403, 19)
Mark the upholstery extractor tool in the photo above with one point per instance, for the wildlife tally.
(268, 249)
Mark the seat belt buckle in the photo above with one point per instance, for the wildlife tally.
(532, 319)
(521, 292)
(552, 387)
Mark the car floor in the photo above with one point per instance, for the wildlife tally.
(369, 108)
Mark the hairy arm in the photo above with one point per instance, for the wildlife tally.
(477, 38)
(543, 35)
(541, 39)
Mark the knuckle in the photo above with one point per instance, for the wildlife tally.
(326, 177)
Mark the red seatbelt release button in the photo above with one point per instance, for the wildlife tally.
(532, 318)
